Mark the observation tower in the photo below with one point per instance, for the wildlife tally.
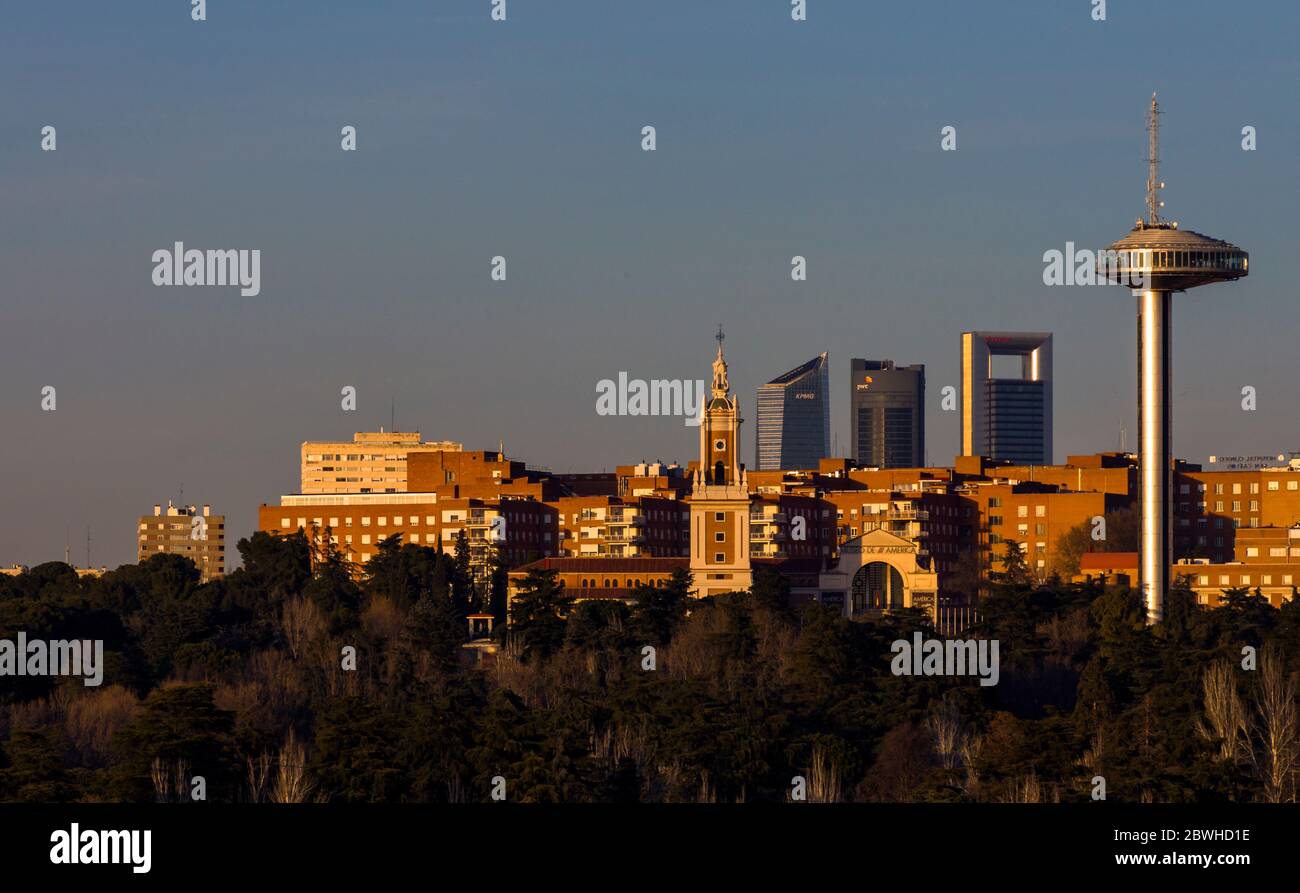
(1155, 260)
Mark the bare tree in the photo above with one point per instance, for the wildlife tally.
(1225, 716)
(1276, 753)
(170, 780)
(823, 778)
(1025, 789)
(258, 770)
(944, 723)
(971, 746)
(301, 622)
(291, 782)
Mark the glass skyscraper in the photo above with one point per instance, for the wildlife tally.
(886, 414)
(794, 419)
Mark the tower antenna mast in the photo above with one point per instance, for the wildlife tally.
(1153, 164)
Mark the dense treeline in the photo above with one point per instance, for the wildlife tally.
(246, 682)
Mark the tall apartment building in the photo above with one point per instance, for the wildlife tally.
(194, 533)
(794, 418)
(1007, 418)
(887, 414)
(372, 462)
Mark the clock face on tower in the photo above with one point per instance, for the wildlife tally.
(719, 445)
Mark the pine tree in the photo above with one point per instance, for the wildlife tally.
(537, 615)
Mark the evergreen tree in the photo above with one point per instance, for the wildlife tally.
(660, 610)
(537, 615)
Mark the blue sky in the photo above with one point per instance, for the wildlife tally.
(522, 139)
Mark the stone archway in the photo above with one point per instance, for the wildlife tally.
(877, 586)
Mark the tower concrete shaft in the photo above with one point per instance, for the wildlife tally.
(1155, 424)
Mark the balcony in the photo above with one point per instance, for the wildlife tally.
(624, 538)
(908, 514)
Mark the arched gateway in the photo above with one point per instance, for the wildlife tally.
(876, 572)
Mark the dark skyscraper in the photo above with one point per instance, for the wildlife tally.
(794, 419)
(887, 414)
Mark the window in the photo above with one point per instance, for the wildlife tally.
(1040, 511)
(719, 558)
(1022, 511)
(719, 516)
(1273, 485)
(719, 537)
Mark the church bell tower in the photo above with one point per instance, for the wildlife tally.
(719, 497)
